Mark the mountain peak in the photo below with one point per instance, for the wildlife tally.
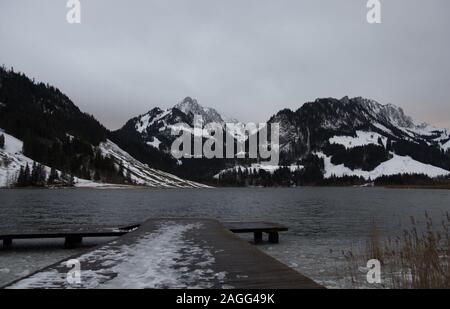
(389, 112)
(189, 100)
(191, 106)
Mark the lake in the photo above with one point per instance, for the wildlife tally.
(322, 221)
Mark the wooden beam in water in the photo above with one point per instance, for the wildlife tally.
(7, 242)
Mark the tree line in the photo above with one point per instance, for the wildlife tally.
(36, 176)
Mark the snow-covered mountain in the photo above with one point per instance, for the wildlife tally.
(154, 127)
(12, 160)
(361, 137)
(350, 136)
(302, 130)
(43, 125)
(325, 138)
(148, 137)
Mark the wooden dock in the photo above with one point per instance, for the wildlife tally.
(175, 253)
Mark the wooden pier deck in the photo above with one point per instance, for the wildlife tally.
(174, 253)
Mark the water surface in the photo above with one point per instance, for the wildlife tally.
(322, 221)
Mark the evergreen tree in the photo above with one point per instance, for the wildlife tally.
(97, 176)
(34, 174)
(20, 178)
(380, 141)
(38, 175)
(2, 141)
(23, 179)
(71, 181)
(120, 168)
(128, 177)
(27, 175)
(53, 178)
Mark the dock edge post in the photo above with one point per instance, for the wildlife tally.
(258, 237)
(274, 237)
(7, 242)
(72, 241)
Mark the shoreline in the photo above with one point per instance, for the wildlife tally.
(427, 187)
(138, 187)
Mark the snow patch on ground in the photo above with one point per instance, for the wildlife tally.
(362, 139)
(396, 165)
(424, 129)
(383, 128)
(142, 125)
(155, 143)
(446, 146)
(12, 144)
(160, 116)
(11, 160)
(83, 183)
(162, 259)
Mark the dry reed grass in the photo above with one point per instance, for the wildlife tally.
(419, 259)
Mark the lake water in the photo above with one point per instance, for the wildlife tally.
(322, 221)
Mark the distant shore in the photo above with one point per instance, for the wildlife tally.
(136, 187)
(437, 187)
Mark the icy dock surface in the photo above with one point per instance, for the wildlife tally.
(173, 253)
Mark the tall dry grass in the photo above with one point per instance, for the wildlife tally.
(418, 259)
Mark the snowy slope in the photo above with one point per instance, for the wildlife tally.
(141, 173)
(446, 146)
(394, 166)
(12, 159)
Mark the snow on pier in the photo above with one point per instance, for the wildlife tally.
(173, 253)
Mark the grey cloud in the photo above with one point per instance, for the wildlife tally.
(246, 58)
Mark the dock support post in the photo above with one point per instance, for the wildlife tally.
(274, 238)
(72, 241)
(7, 242)
(258, 237)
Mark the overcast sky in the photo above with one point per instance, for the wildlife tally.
(246, 58)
